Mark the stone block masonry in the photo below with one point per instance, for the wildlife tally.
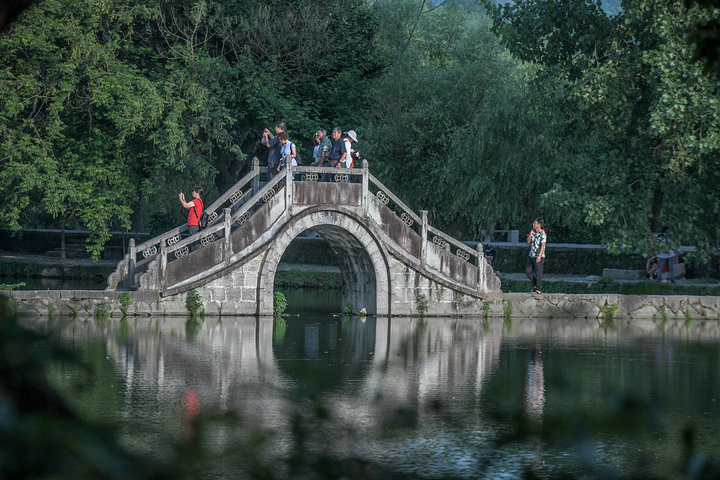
(373, 246)
(89, 303)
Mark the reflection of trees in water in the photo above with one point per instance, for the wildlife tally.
(405, 373)
(397, 361)
(394, 361)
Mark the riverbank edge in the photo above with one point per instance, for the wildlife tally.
(102, 304)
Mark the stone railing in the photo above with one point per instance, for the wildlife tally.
(235, 218)
(386, 197)
(422, 244)
(238, 199)
(453, 246)
(337, 175)
(139, 256)
(221, 230)
(420, 225)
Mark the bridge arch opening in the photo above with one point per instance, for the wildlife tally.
(359, 255)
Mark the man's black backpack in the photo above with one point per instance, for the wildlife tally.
(204, 218)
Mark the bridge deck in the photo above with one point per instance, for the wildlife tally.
(250, 219)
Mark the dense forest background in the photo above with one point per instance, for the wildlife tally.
(595, 116)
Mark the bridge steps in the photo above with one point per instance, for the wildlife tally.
(385, 250)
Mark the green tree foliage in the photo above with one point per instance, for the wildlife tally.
(109, 110)
(635, 121)
(449, 125)
(56, 157)
(705, 35)
(87, 124)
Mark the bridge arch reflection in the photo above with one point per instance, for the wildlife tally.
(321, 356)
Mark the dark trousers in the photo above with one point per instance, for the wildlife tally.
(192, 230)
(272, 170)
(329, 177)
(670, 263)
(533, 270)
(272, 173)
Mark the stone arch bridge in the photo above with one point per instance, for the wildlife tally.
(391, 261)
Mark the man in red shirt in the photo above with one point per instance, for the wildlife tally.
(196, 207)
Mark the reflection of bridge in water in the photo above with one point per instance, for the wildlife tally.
(408, 365)
(238, 363)
(391, 260)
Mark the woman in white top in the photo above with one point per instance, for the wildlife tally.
(288, 152)
(350, 138)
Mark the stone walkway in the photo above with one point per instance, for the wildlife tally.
(586, 279)
(86, 262)
(589, 279)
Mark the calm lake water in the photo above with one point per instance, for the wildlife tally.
(423, 398)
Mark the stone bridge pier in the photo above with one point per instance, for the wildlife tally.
(363, 264)
(392, 262)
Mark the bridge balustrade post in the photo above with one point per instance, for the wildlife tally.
(424, 234)
(480, 262)
(131, 263)
(365, 187)
(163, 264)
(227, 247)
(256, 178)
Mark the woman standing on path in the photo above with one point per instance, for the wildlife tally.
(534, 266)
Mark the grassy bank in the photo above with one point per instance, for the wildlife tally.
(313, 279)
(295, 278)
(24, 270)
(610, 286)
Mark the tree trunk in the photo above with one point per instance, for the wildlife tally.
(656, 209)
(63, 256)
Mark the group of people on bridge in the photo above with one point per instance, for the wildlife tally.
(338, 153)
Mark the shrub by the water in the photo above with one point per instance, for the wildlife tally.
(193, 303)
(279, 304)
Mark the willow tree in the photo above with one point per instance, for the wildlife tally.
(635, 119)
(449, 128)
(58, 82)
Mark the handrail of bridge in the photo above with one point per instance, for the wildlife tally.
(440, 239)
(150, 248)
(385, 195)
(312, 174)
(264, 194)
(443, 240)
(210, 234)
(221, 225)
(170, 236)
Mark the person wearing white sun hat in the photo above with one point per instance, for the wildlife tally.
(350, 138)
(352, 152)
